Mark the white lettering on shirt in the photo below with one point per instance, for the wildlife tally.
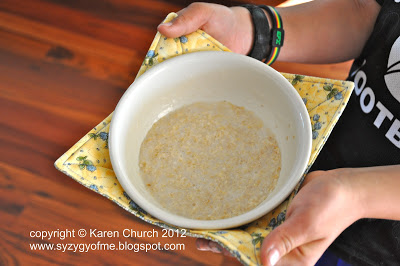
(367, 103)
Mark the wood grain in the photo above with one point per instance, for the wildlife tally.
(63, 67)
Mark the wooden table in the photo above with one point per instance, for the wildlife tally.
(63, 67)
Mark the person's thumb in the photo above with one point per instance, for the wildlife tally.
(283, 239)
(188, 20)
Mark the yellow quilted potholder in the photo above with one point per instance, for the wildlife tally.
(88, 161)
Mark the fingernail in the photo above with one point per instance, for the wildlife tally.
(273, 257)
(166, 24)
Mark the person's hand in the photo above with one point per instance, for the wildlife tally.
(231, 26)
(208, 245)
(322, 209)
(328, 203)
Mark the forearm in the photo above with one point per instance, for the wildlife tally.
(320, 31)
(327, 31)
(375, 191)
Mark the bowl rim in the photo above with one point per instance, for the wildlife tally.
(164, 216)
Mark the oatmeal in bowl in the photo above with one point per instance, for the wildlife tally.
(209, 161)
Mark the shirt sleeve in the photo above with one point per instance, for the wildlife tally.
(380, 2)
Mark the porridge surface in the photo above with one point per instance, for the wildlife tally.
(209, 161)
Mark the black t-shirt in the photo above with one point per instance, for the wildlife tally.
(368, 134)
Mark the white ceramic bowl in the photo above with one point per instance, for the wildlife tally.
(210, 76)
